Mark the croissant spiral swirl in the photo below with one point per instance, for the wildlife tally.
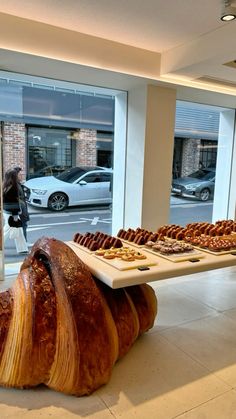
(62, 327)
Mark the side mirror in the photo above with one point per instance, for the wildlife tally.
(82, 183)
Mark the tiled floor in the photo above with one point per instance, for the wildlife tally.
(185, 367)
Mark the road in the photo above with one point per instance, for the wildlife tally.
(64, 225)
(186, 210)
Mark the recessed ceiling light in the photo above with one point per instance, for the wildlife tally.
(228, 11)
(228, 17)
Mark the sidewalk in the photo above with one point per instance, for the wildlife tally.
(178, 200)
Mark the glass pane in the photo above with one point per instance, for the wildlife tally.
(201, 143)
(55, 135)
(49, 151)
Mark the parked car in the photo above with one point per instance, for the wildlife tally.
(75, 186)
(199, 184)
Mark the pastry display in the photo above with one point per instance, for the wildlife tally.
(169, 247)
(138, 236)
(125, 253)
(196, 229)
(214, 244)
(98, 240)
(62, 327)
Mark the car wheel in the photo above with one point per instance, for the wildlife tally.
(58, 202)
(204, 194)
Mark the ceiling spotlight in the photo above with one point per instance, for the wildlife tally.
(228, 11)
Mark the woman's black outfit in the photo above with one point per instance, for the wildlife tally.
(24, 215)
(14, 203)
(11, 202)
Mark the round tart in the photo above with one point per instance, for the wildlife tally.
(139, 256)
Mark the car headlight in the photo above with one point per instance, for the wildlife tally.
(39, 191)
(192, 187)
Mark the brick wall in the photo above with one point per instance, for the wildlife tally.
(14, 146)
(190, 156)
(86, 152)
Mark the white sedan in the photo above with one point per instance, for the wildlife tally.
(75, 186)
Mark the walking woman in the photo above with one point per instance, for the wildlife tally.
(11, 211)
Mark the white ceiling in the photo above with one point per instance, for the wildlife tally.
(156, 25)
(189, 34)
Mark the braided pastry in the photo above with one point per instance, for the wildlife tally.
(61, 327)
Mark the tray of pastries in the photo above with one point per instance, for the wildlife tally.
(111, 250)
(137, 237)
(215, 245)
(125, 258)
(173, 250)
(90, 242)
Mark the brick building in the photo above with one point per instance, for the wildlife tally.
(15, 145)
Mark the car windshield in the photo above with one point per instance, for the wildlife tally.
(202, 174)
(71, 175)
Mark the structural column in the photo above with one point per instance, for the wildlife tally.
(225, 195)
(150, 142)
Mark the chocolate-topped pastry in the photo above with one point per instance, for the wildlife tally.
(130, 230)
(131, 237)
(112, 240)
(140, 240)
(137, 237)
(81, 238)
(121, 233)
(87, 241)
(147, 236)
(100, 242)
(77, 236)
(102, 236)
(106, 243)
(117, 243)
(153, 237)
(88, 234)
(93, 245)
(96, 235)
(126, 235)
(139, 230)
(81, 242)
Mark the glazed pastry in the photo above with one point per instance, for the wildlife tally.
(60, 327)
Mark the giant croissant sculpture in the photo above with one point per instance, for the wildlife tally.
(61, 327)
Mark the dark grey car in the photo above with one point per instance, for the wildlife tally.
(199, 184)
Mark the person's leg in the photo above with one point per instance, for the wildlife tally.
(24, 226)
(20, 242)
(6, 228)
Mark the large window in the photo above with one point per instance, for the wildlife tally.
(49, 127)
(202, 146)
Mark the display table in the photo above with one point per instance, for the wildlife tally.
(163, 269)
